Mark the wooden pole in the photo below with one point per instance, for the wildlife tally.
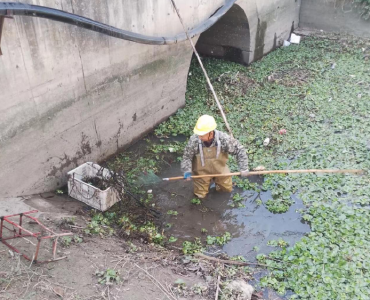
(271, 172)
(217, 287)
(204, 70)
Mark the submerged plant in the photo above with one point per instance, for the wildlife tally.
(237, 201)
(219, 240)
(192, 247)
(196, 201)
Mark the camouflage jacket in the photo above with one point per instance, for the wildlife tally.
(228, 144)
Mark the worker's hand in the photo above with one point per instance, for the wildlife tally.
(244, 173)
(187, 176)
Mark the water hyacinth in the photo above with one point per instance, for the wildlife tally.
(314, 118)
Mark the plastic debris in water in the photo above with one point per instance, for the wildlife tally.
(282, 131)
(295, 39)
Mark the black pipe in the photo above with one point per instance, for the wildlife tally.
(22, 9)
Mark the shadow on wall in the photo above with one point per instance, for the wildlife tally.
(260, 40)
(228, 39)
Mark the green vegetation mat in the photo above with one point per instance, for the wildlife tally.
(319, 92)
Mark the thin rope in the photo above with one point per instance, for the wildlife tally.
(204, 70)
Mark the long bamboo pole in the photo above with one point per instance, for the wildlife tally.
(204, 70)
(271, 172)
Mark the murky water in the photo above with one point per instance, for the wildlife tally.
(251, 226)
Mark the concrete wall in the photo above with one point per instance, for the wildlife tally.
(229, 38)
(71, 95)
(334, 16)
(250, 29)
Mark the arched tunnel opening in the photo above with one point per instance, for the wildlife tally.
(228, 39)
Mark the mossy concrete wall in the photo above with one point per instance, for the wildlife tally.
(71, 95)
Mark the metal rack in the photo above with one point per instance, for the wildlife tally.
(20, 232)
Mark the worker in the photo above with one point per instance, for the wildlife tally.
(207, 152)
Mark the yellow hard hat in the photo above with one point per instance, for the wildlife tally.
(205, 124)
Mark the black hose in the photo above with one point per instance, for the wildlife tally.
(22, 9)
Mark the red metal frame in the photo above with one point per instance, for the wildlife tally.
(18, 230)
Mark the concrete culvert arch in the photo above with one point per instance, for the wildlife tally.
(72, 95)
(228, 38)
